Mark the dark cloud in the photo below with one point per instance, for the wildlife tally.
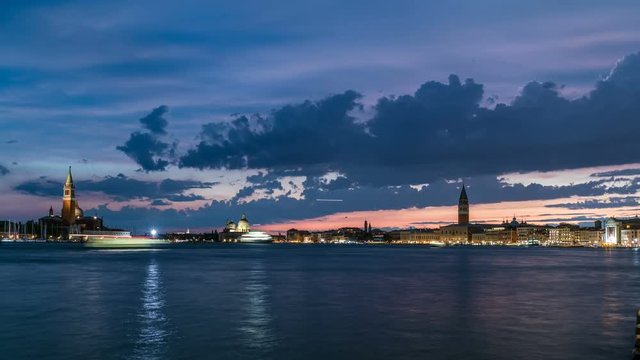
(483, 189)
(310, 134)
(623, 172)
(268, 183)
(613, 202)
(147, 149)
(40, 187)
(584, 220)
(440, 131)
(155, 122)
(11, 141)
(4, 170)
(185, 198)
(159, 202)
(120, 187)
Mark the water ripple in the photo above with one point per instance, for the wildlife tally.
(152, 337)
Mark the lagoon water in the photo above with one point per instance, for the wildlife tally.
(218, 301)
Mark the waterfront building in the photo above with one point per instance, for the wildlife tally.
(496, 235)
(524, 233)
(457, 233)
(52, 226)
(563, 235)
(279, 238)
(589, 236)
(511, 233)
(298, 236)
(414, 236)
(622, 232)
(574, 235)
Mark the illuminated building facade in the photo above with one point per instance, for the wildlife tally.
(563, 235)
(233, 230)
(622, 232)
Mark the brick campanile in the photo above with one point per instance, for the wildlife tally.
(69, 202)
(463, 207)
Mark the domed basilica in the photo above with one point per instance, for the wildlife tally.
(243, 226)
(241, 232)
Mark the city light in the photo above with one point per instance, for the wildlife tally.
(154, 232)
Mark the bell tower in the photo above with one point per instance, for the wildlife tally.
(463, 207)
(69, 203)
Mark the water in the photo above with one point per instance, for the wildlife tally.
(316, 302)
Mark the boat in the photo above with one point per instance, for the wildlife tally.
(133, 242)
(116, 240)
(255, 237)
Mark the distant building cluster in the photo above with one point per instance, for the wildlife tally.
(516, 232)
(613, 232)
(73, 225)
(345, 235)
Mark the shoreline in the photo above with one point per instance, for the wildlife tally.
(355, 244)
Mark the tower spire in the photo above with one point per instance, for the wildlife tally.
(69, 181)
(463, 193)
(70, 209)
(463, 207)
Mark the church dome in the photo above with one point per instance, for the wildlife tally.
(78, 212)
(230, 226)
(243, 224)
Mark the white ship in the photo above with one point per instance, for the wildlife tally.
(256, 237)
(116, 240)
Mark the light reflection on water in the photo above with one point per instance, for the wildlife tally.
(134, 250)
(256, 325)
(152, 337)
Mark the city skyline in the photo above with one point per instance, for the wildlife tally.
(72, 215)
(532, 106)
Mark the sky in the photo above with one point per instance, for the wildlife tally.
(320, 114)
